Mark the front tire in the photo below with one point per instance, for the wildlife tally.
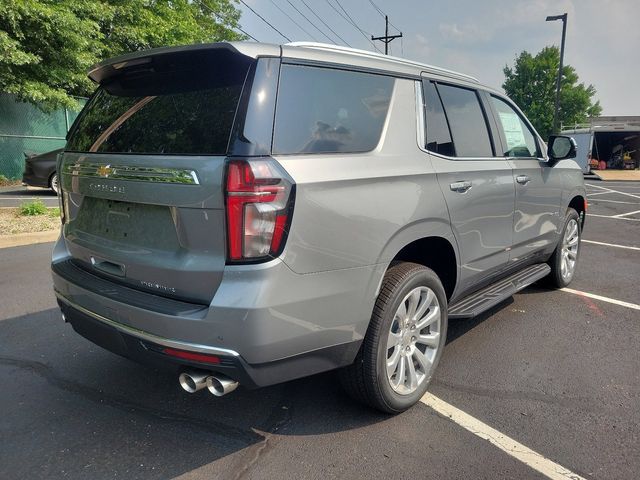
(404, 341)
(564, 260)
(53, 184)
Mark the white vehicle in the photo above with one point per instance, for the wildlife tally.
(612, 140)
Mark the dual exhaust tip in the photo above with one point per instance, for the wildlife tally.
(217, 384)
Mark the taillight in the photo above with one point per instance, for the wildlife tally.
(259, 205)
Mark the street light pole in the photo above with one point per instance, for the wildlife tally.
(551, 18)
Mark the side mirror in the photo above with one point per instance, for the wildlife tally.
(561, 147)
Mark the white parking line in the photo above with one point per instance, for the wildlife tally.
(598, 200)
(597, 193)
(511, 447)
(630, 305)
(610, 190)
(609, 244)
(614, 217)
(625, 214)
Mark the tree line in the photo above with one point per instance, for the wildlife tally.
(47, 46)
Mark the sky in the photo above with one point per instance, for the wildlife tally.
(477, 37)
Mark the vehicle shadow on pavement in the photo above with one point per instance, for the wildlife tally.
(22, 191)
(458, 328)
(71, 407)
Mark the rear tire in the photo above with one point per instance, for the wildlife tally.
(403, 343)
(564, 260)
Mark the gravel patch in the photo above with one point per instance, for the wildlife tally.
(11, 222)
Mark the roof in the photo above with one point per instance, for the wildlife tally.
(392, 63)
(309, 51)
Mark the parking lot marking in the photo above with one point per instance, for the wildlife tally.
(610, 190)
(615, 217)
(597, 193)
(534, 460)
(610, 244)
(633, 306)
(598, 200)
(625, 214)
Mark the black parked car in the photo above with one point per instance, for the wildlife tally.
(40, 170)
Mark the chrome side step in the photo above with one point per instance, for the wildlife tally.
(492, 295)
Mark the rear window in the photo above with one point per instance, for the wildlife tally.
(321, 110)
(185, 112)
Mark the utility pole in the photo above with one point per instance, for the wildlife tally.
(387, 38)
(551, 18)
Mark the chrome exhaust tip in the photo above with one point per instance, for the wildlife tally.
(220, 385)
(193, 381)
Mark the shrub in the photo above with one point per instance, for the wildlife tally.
(54, 212)
(35, 207)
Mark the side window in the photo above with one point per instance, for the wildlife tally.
(322, 110)
(521, 142)
(466, 120)
(438, 135)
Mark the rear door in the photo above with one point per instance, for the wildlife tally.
(477, 184)
(143, 170)
(538, 186)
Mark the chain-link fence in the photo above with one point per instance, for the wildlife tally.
(24, 129)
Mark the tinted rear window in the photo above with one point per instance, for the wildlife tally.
(322, 110)
(467, 122)
(184, 112)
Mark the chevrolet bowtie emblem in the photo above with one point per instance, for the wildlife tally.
(105, 170)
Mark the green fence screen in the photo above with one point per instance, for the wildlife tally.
(26, 129)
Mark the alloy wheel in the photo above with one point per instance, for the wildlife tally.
(570, 245)
(413, 340)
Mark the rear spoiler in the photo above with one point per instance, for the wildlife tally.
(145, 59)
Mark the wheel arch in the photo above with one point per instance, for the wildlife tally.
(431, 244)
(579, 204)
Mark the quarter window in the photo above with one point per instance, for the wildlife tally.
(466, 121)
(321, 110)
(521, 142)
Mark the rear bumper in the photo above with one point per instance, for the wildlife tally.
(266, 323)
(35, 181)
(136, 346)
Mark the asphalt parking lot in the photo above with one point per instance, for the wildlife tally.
(555, 371)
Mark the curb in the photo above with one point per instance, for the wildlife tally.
(19, 239)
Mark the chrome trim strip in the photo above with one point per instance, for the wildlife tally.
(131, 172)
(193, 347)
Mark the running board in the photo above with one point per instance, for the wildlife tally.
(490, 296)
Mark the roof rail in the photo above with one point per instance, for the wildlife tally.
(389, 58)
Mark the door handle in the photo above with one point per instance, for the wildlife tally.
(522, 179)
(460, 187)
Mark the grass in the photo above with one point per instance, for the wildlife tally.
(33, 208)
(8, 182)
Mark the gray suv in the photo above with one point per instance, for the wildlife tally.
(250, 214)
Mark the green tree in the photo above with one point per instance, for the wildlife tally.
(531, 83)
(47, 46)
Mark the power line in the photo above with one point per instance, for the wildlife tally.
(290, 18)
(323, 22)
(265, 20)
(310, 22)
(382, 13)
(352, 22)
(225, 20)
